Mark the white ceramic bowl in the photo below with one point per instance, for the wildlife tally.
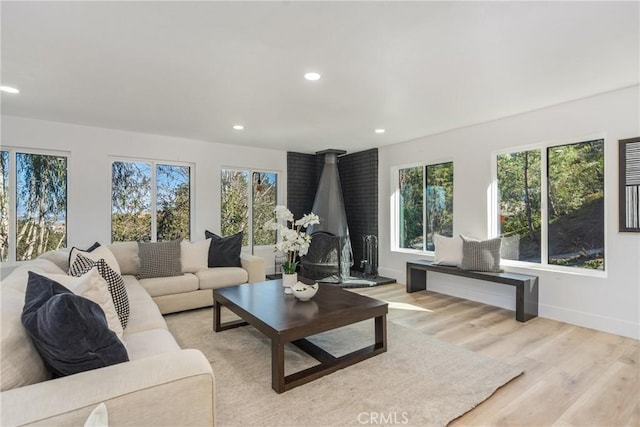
(304, 292)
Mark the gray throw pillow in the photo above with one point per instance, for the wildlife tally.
(159, 259)
(481, 255)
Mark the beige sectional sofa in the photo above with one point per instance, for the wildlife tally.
(191, 290)
(160, 385)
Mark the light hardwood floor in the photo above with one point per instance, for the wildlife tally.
(572, 375)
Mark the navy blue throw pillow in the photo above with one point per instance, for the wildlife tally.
(224, 251)
(70, 332)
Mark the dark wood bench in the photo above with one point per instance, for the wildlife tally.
(526, 285)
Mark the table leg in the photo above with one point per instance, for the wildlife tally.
(218, 326)
(381, 332)
(277, 365)
(216, 316)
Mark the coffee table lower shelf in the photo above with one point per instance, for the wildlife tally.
(328, 363)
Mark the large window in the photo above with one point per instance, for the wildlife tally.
(150, 201)
(248, 199)
(519, 189)
(33, 204)
(426, 205)
(411, 208)
(4, 206)
(568, 228)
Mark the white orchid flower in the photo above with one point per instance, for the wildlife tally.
(307, 220)
(293, 240)
(283, 213)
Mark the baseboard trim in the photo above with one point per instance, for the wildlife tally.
(591, 321)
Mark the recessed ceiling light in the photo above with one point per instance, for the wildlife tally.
(238, 127)
(312, 76)
(9, 89)
(380, 131)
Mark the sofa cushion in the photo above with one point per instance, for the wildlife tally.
(149, 343)
(126, 253)
(170, 285)
(159, 259)
(97, 253)
(194, 255)
(145, 314)
(114, 281)
(220, 277)
(92, 285)
(20, 362)
(224, 251)
(69, 331)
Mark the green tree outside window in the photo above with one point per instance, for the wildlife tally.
(40, 204)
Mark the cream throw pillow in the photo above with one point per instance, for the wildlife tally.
(448, 250)
(194, 255)
(92, 286)
(126, 253)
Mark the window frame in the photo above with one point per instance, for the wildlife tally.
(494, 205)
(251, 171)
(395, 201)
(154, 189)
(12, 193)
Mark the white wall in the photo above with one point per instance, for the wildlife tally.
(89, 170)
(610, 303)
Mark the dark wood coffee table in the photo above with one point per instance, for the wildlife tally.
(284, 320)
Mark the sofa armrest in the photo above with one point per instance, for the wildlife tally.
(175, 388)
(254, 266)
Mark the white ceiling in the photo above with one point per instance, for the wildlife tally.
(194, 69)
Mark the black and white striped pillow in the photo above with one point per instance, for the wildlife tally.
(117, 289)
(481, 255)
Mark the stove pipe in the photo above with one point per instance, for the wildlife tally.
(329, 204)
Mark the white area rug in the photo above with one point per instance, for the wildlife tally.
(419, 381)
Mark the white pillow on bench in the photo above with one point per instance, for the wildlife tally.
(448, 250)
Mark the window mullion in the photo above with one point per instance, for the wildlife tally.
(154, 211)
(12, 211)
(192, 200)
(397, 212)
(424, 209)
(544, 203)
(494, 201)
(250, 195)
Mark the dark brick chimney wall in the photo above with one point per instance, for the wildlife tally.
(303, 174)
(359, 181)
